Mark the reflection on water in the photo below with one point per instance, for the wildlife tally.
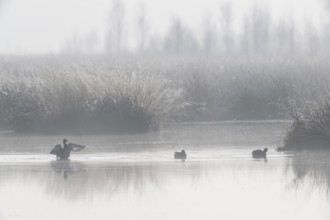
(150, 190)
(217, 181)
(312, 168)
(265, 159)
(74, 180)
(66, 167)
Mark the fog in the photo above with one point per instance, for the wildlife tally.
(116, 66)
(162, 106)
(43, 27)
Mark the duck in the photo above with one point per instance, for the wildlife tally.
(65, 152)
(259, 153)
(180, 155)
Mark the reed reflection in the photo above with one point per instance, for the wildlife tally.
(312, 169)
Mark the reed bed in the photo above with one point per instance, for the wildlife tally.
(103, 94)
(85, 97)
(310, 128)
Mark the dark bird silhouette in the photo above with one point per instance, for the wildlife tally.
(259, 153)
(64, 153)
(180, 155)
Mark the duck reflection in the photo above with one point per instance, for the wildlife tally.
(264, 159)
(74, 180)
(66, 168)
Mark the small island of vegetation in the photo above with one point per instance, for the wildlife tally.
(310, 128)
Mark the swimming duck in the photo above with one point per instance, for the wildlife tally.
(64, 153)
(259, 153)
(180, 155)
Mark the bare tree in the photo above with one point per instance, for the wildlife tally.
(285, 36)
(260, 22)
(256, 35)
(180, 40)
(326, 28)
(226, 23)
(312, 38)
(115, 39)
(210, 44)
(143, 28)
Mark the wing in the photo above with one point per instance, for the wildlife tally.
(76, 147)
(56, 150)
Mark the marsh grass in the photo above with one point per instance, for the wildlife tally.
(85, 98)
(310, 111)
(310, 128)
(102, 94)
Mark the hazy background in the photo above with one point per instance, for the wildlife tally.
(42, 26)
(107, 74)
(136, 65)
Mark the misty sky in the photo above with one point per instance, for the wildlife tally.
(43, 26)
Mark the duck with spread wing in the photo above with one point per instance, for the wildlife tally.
(63, 153)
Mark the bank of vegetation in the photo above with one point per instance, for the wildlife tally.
(133, 78)
(310, 128)
(107, 94)
(56, 96)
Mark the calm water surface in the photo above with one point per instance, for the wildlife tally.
(136, 177)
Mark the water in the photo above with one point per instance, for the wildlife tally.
(136, 177)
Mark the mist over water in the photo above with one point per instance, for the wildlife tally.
(134, 176)
(136, 82)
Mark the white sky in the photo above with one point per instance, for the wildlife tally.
(42, 26)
